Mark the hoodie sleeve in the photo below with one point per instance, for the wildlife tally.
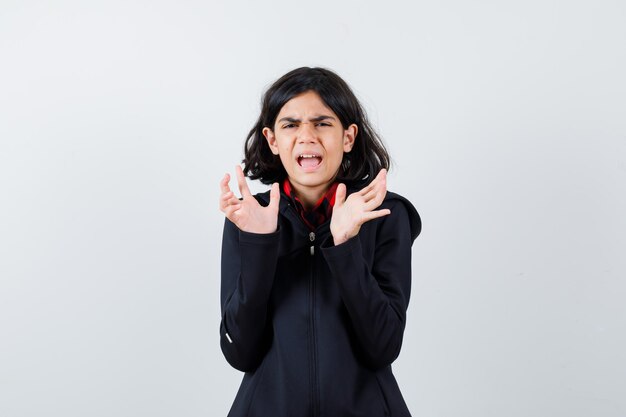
(376, 293)
(245, 291)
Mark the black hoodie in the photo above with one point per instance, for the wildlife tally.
(315, 327)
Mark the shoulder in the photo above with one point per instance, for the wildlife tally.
(402, 207)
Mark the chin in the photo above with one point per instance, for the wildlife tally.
(310, 180)
(315, 182)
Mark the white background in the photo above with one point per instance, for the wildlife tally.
(506, 122)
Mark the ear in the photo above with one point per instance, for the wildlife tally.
(349, 135)
(271, 140)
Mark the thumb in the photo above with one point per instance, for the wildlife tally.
(340, 194)
(274, 196)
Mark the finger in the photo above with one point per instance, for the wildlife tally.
(381, 176)
(241, 181)
(274, 196)
(228, 196)
(383, 182)
(376, 201)
(377, 194)
(371, 215)
(340, 194)
(233, 205)
(224, 183)
(229, 200)
(223, 201)
(373, 204)
(369, 187)
(228, 209)
(372, 192)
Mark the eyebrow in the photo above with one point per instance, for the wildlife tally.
(315, 119)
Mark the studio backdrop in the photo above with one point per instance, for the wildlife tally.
(505, 122)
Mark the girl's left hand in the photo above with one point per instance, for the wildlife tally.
(349, 215)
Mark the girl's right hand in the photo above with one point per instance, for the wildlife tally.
(247, 214)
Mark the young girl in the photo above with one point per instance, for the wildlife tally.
(316, 272)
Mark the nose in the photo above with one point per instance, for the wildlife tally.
(306, 133)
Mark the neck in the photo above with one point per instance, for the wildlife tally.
(310, 195)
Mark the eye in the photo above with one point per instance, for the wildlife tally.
(324, 124)
(289, 126)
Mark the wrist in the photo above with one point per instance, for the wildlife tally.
(340, 238)
(264, 231)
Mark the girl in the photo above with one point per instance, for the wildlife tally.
(316, 272)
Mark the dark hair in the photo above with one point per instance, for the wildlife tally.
(358, 167)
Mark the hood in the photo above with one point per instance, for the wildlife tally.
(414, 217)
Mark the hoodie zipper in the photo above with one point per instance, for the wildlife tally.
(313, 378)
(313, 341)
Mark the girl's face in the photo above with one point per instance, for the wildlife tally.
(310, 140)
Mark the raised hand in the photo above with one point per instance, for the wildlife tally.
(247, 214)
(360, 207)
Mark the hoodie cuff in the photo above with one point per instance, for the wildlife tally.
(332, 251)
(248, 238)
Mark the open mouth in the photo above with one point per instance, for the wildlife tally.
(309, 161)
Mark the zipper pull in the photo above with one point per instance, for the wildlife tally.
(312, 239)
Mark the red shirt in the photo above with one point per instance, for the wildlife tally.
(321, 212)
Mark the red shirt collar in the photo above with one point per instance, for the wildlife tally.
(321, 212)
